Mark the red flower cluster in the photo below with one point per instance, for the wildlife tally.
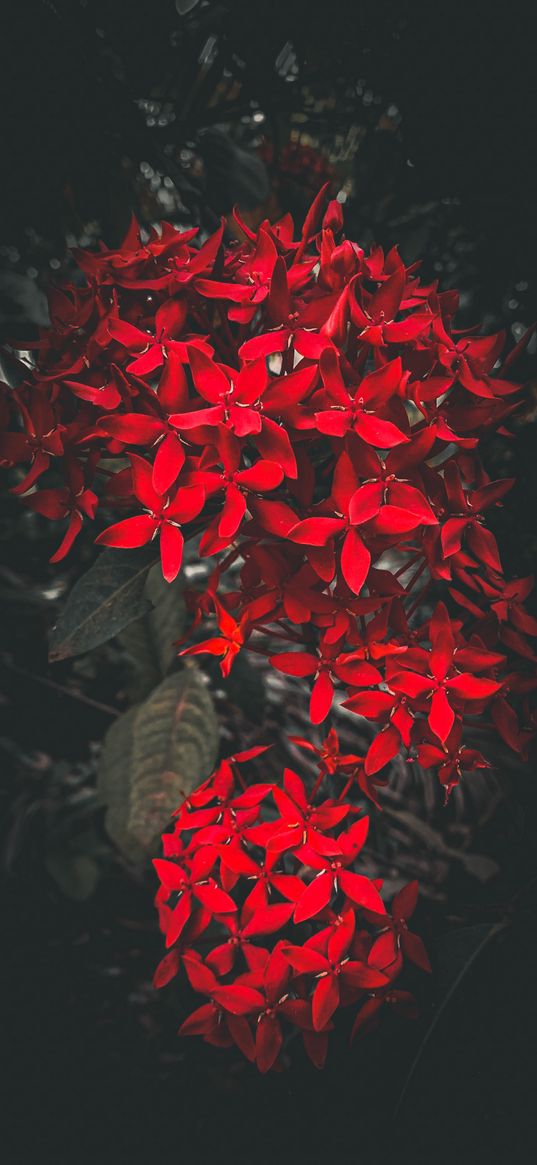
(313, 413)
(263, 906)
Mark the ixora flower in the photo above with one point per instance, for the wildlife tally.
(313, 414)
(266, 908)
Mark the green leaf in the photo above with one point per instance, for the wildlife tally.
(108, 597)
(153, 756)
(149, 642)
(456, 953)
(76, 874)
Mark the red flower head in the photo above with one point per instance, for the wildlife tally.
(310, 411)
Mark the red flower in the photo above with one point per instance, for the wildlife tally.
(364, 410)
(374, 313)
(452, 759)
(301, 822)
(334, 876)
(397, 939)
(228, 644)
(163, 516)
(330, 758)
(446, 685)
(332, 970)
(327, 667)
(73, 501)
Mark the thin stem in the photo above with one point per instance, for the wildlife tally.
(417, 602)
(416, 576)
(406, 565)
(63, 690)
(317, 786)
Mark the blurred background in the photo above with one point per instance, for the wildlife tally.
(425, 121)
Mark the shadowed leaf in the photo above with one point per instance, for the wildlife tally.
(149, 642)
(153, 756)
(75, 874)
(456, 954)
(108, 597)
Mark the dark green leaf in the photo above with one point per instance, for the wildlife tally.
(150, 642)
(457, 951)
(108, 597)
(153, 756)
(76, 874)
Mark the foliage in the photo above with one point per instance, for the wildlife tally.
(153, 756)
(106, 599)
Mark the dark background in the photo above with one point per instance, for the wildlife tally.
(427, 119)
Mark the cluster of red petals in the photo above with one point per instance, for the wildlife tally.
(313, 412)
(266, 911)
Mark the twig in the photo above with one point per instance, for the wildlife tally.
(62, 689)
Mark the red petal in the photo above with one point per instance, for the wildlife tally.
(473, 687)
(200, 1022)
(268, 1042)
(325, 1001)
(132, 428)
(374, 431)
(315, 898)
(382, 749)
(414, 950)
(388, 298)
(441, 717)
(273, 442)
(357, 673)
(264, 475)
(170, 874)
(341, 938)
(268, 919)
(322, 695)
(305, 960)
(168, 463)
(186, 504)
(384, 951)
(142, 482)
(232, 513)
(362, 891)
(370, 704)
(171, 551)
(404, 903)
(178, 919)
(210, 381)
(167, 969)
(355, 561)
(265, 345)
(214, 899)
(316, 531)
(316, 1046)
(295, 663)
(411, 684)
(294, 786)
(129, 533)
(238, 1000)
(442, 641)
(365, 503)
(196, 418)
(333, 422)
